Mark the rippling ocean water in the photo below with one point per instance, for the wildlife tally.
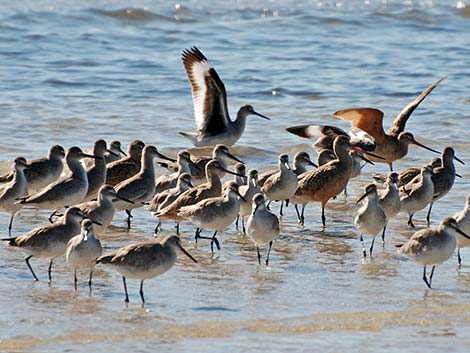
(72, 72)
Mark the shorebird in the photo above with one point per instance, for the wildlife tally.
(240, 178)
(463, 222)
(211, 188)
(281, 186)
(215, 213)
(389, 200)
(144, 260)
(301, 161)
(13, 190)
(96, 173)
(42, 171)
(248, 191)
(417, 194)
(443, 177)
(141, 187)
(370, 218)
(408, 174)
(433, 246)
(49, 241)
(83, 250)
(115, 152)
(183, 163)
(126, 167)
(210, 104)
(327, 180)
(392, 145)
(102, 210)
(262, 226)
(64, 192)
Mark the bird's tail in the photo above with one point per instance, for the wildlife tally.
(11, 241)
(190, 136)
(105, 259)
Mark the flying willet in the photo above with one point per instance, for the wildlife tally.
(248, 192)
(463, 222)
(115, 152)
(394, 144)
(102, 210)
(370, 218)
(15, 189)
(389, 200)
(262, 226)
(83, 250)
(42, 171)
(96, 173)
(64, 192)
(127, 167)
(443, 177)
(141, 187)
(433, 246)
(49, 241)
(417, 194)
(183, 162)
(144, 260)
(215, 213)
(210, 104)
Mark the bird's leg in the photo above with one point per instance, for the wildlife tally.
(298, 213)
(346, 191)
(323, 218)
(287, 203)
(425, 279)
(268, 205)
(459, 258)
(157, 228)
(383, 235)
(125, 289)
(363, 248)
(280, 212)
(269, 251)
(141, 292)
(30, 268)
(259, 255)
(391, 166)
(243, 225)
(75, 280)
(49, 272)
(128, 220)
(53, 214)
(177, 228)
(236, 222)
(196, 237)
(11, 224)
(302, 217)
(89, 280)
(371, 247)
(216, 241)
(432, 274)
(410, 221)
(428, 216)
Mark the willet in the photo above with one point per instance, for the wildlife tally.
(215, 213)
(443, 177)
(183, 162)
(392, 145)
(13, 190)
(281, 186)
(389, 200)
(301, 162)
(433, 246)
(144, 260)
(210, 104)
(96, 173)
(115, 152)
(42, 171)
(417, 194)
(49, 241)
(126, 167)
(64, 192)
(248, 191)
(463, 222)
(83, 250)
(262, 226)
(141, 187)
(327, 180)
(370, 218)
(240, 178)
(102, 210)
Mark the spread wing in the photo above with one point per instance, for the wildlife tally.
(369, 120)
(399, 123)
(209, 96)
(325, 134)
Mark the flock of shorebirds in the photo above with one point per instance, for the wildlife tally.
(108, 179)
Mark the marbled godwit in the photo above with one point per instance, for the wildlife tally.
(281, 186)
(433, 246)
(215, 213)
(42, 171)
(463, 222)
(389, 200)
(115, 152)
(408, 174)
(83, 250)
(13, 190)
(443, 177)
(327, 180)
(126, 167)
(144, 260)
(394, 144)
(96, 173)
(262, 226)
(64, 192)
(102, 210)
(141, 187)
(248, 191)
(417, 194)
(49, 241)
(211, 188)
(370, 218)
(210, 104)
(183, 163)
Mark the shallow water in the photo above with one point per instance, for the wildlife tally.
(72, 72)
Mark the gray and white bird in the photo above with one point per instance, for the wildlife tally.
(389, 200)
(115, 152)
(248, 191)
(183, 164)
(462, 219)
(96, 173)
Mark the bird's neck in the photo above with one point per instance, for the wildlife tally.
(240, 122)
(76, 167)
(147, 166)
